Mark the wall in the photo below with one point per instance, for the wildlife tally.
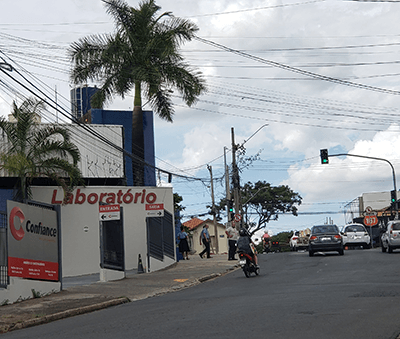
(223, 240)
(124, 118)
(80, 224)
(98, 159)
(21, 289)
(376, 200)
(5, 194)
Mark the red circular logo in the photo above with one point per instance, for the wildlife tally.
(18, 234)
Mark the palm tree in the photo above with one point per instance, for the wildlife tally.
(33, 151)
(143, 54)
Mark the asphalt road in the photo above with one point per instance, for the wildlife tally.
(326, 296)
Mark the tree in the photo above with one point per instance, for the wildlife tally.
(177, 200)
(33, 151)
(143, 54)
(267, 202)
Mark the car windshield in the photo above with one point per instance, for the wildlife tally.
(324, 229)
(355, 228)
(396, 227)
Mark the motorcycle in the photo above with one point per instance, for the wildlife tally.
(247, 263)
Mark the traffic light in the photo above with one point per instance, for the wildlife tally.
(324, 156)
(231, 213)
(393, 196)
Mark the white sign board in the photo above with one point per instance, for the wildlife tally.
(109, 212)
(154, 210)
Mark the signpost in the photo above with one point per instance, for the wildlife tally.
(370, 220)
(154, 210)
(109, 212)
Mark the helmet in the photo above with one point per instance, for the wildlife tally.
(242, 232)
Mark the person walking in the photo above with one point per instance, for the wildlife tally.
(205, 239)
(183, 243)
(233, 236)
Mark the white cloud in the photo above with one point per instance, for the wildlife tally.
(301, 36)
(347, 177)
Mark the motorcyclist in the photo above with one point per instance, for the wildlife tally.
(246, 245)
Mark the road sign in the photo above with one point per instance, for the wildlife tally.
(238, 217)
(154, 210)
(109, 212)
(370, 220)
(157, 213)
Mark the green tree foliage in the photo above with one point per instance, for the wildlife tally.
(33, 150)
(143, 53)
(177, 203)
(267, 202)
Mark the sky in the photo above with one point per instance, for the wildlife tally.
(287, 77)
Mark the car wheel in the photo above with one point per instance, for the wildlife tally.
(390, 249)
(341, 252)
(310, 253)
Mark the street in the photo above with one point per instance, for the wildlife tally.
(296, 296)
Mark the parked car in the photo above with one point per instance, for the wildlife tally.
(325, 238)
(355, 235)
(390, 239)
(299, 240)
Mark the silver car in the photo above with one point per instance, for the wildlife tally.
(355, 235)
(390, 239)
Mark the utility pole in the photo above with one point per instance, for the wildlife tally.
(235, 179)
(213, 210)
(227, 187)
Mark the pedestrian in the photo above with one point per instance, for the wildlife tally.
(183, 243)
(233, 236)
(205, 239)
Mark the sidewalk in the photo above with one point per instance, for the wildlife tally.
(93, 296)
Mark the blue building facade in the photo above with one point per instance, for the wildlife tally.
(80, 100)
(124, 118)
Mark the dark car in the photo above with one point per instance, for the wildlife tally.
(325, 238)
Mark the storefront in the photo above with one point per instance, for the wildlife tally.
(81, 218)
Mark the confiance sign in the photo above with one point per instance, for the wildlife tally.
(32, 242)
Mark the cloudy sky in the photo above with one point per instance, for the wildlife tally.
(319, 74)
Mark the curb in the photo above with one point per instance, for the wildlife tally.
(66, 314)
(109, 303)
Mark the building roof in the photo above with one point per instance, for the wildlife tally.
(193, 223)
(196, 222)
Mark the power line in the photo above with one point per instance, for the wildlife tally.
(297, 70)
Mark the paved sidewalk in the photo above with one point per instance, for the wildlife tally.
(81, 299)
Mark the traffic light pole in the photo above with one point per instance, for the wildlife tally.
(367, 157)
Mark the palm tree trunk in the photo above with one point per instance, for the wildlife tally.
(137, 139)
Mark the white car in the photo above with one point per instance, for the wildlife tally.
(390, 239)
(355, 235)
(298, 242)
